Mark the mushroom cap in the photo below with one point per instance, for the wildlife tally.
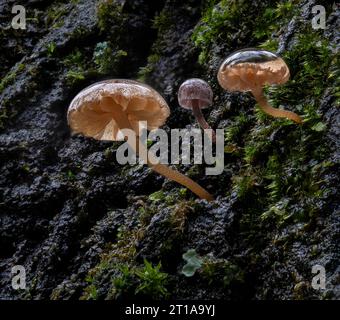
(195, 89)
(92, 112)
(249, 69)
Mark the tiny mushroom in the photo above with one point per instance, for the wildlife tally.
(105, 108)
(251, 69)
(195, 94)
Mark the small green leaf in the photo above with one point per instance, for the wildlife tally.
(183, 192)
(157, 196)
(188, 270)
(319, 127)
(193, 263)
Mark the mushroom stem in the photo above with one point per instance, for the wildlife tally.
(200, 118)
(172, 174)
(278, 113)
(182, 179)
(162, 169)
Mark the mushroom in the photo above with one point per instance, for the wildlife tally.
(195, 94)
(251, 69)
(105, 108)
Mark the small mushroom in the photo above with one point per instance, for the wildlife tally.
(251, 69)
(105, 108)
(195, 94)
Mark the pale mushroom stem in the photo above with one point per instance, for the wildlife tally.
(197, 111)
(182, 179)
(278, 113)
(162, 169)
(174, 175)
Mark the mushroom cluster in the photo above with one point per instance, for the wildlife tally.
(104, 109)
(252, 69)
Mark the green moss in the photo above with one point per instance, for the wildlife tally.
(106, 58)
(152, 281)
(80, 32)
(10, 77)
(55, 14)
(311, 64)
(6, 112)
(110, 13)
(51, 48)
(245, 186)
(233, 133)
(272, 19)
(74, 60)
(118, 259)
(162, 21)
(214, 20)
(78, 67)
(157, 196)
(283, 165)
(179, 216)
(220, 23)
(253, 151)
(93, 279)
(216, 270)
(125, 282)
(91, 291)
(147, 281)
(145, 71)
(74, 76)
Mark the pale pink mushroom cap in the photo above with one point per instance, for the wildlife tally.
(251, 69)
(92, 112)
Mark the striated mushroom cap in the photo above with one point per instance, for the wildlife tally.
(250, 69)
(97, 110)
(195, 89)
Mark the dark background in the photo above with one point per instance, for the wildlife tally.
(82, 225)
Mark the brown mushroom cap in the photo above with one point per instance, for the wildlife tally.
(195, 89)
(250, 69)
(95, 110)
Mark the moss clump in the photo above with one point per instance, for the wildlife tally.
(234, 132)
(110, 13)
(245, 185)
(179, 216)
(72, 77)
(55, 14)
(128, 281)
(10, 77)
(106, 59)
(288, 162)
(152, 281)
(220, 23)
(273, 17)
(312, 66)
(157, 196)
(216, 270)
(51, 48)
(145, 71)
(77, 66)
